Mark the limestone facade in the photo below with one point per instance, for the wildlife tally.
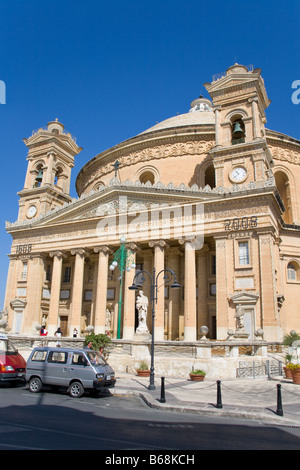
(210, 194)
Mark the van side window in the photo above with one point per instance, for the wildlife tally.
(79, 359)
(39, 356)
(58, 357)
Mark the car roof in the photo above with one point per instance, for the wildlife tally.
(55, 348)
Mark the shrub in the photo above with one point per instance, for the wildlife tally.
(98, 341)
(290, 338)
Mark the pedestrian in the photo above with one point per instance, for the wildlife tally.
(101, 352)
(58, 333)
(75, 333)
(89, 345)
(43, 331)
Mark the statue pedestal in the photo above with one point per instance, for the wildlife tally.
(138, 336)
(240, 334)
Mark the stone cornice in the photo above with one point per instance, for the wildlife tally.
(137, 187)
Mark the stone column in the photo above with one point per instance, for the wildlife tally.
(77, 290)
(174, 295)
(217, 126)
(101, 288)
(268, 294)
(129, 296)
(148, 266)
(55, 291)
(190, 310)
(222, 307)
(48, 178)
(35, 279)
(11, 284)
(255, 117)
(202, 284)
(159, 264)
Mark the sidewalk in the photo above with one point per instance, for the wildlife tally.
(241, 398)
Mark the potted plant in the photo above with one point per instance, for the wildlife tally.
(197, 375)
(295, 370)
(287, 371)
(143, 369)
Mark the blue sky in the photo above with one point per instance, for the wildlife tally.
(109, 70)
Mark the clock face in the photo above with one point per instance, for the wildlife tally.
(31, 212)
(238, 174)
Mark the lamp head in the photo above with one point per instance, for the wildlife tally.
(133, 287)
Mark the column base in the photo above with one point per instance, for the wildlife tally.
(190, 334)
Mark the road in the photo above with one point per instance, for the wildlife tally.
(54, 421)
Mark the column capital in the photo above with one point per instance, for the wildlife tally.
(159, 243)
(133, 247)
(57, 254)
(80, 251)
(103, 249)
(174, 250)
(204, 249)
(185, 241)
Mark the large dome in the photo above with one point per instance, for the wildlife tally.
(201, 113)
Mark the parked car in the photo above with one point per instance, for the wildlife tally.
(73, 368)
(12, 364)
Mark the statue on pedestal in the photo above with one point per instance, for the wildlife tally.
(240, 332)
(142, 306)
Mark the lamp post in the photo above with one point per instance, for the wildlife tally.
(123, 260)
(168, 276)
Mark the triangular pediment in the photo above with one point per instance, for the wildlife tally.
(230, 81)
(244, 297)
(43, 138)
(118, 197)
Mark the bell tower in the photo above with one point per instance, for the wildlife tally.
(51, 154)
(240, 154)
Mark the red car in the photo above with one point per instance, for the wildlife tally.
(12, 364)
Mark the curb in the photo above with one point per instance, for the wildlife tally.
(257, 415)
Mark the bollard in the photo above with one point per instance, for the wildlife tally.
(279, 410)
(219, 398)
(162, 391)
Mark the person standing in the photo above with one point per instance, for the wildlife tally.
(58, 333)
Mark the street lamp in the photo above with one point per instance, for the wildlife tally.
(124, 261)
(168, 276)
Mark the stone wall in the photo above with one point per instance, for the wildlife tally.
(219, 359)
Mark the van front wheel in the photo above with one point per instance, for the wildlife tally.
(35, 384)
(76, 390)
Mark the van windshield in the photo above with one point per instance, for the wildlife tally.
(95, 358)
(6, 347)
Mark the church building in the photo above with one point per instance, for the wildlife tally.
(210, 195)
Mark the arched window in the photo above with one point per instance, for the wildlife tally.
(147, 176)
(39, 176)
(293, 271)
(237, 131)
(283, 186)
(99, 186)
(209, 176)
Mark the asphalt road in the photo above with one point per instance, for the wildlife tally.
(54, 421)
